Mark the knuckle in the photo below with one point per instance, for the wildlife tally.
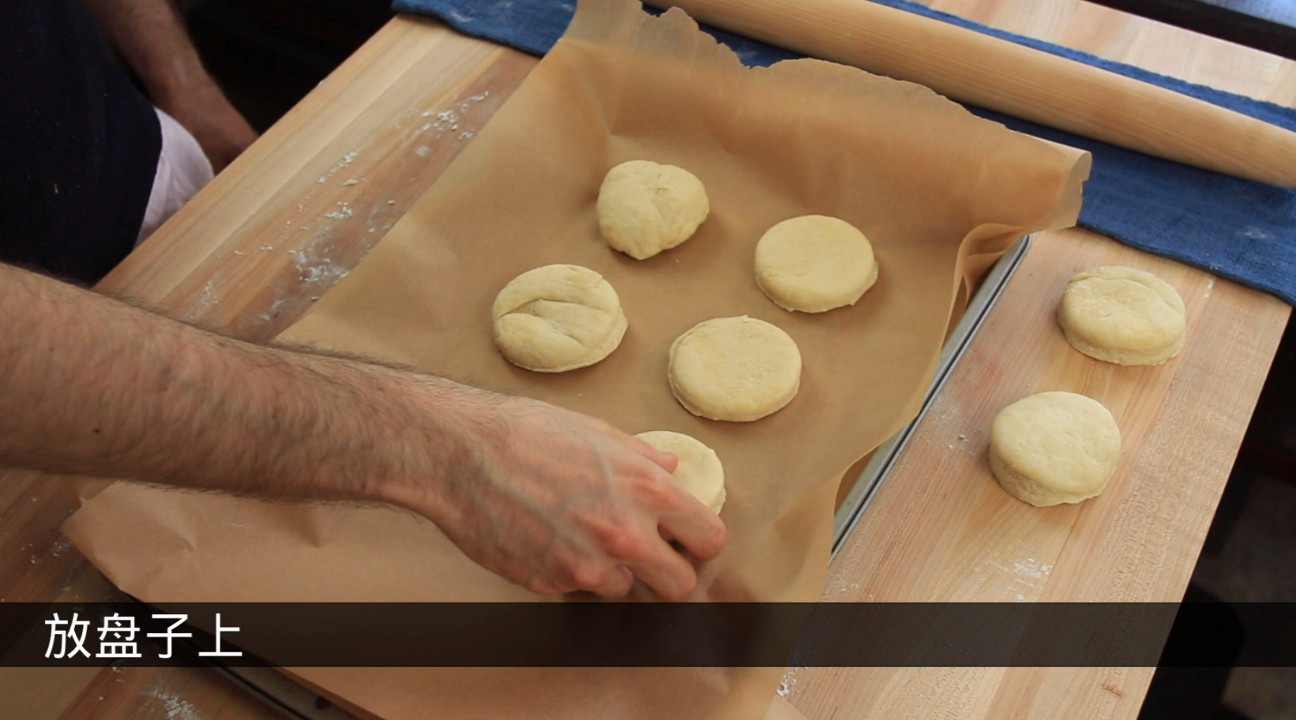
(542, 584)
(620, 541)
(659, 491)
(586, 575)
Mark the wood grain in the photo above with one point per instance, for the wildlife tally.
(300, 208)
(1136, 542)
(247, 256)
(941, 529)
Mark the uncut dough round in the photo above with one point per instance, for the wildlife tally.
(1122, 315)
(556, 318)
(738, 369)
(699, 470)
(814, 263)
(646, 207)
(1054, 447)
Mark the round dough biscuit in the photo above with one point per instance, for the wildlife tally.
(557, 318)
(699, 470)
(1122, 315)
(1054, 447)
(734, 368)
(814, 263)
(645, 207)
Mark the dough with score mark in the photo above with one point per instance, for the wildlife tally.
(556, 318)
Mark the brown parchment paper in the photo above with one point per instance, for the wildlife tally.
(939, 192)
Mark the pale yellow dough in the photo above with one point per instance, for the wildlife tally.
(734, 368)
(814, 263)
(557, 318)
(645, 207)
(1054, 447)
(1122, 315)
(699, 470)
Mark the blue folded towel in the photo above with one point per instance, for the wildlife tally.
(1239, 229)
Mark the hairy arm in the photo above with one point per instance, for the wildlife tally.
(151, 36)
(550, 499)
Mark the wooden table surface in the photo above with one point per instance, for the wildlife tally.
(301, 207)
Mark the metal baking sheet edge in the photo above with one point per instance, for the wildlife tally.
(296, 701)
(851, 510)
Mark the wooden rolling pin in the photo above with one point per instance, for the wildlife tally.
(1000, 75)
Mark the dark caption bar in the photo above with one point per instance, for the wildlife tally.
(597, 634)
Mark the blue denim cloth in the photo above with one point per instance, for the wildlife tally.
(1238, 229)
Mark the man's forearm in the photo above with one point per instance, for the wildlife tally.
(548, 498)
(89, 385)
(151, 36)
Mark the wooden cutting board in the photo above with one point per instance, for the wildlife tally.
(940, 529)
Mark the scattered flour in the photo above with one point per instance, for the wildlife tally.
(174, 707)
(787, 686)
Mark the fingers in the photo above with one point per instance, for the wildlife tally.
(668, 461)
(622, 552)
(695, 527)
(616, 585)
(682, 518)
(667, 573)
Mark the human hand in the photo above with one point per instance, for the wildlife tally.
(557, 501)
(151, 36)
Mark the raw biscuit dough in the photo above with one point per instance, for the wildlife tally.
(556, 318)
(645, 207)
(734, 368)
(1122, 315)
(699, 470)
(814, 263)
(1054, 447)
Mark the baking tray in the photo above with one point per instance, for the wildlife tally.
(293, 700)
(851, 508)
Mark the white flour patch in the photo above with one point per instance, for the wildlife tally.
(346, 160)
(1252, 232)
(204, 302)
(207, 297)
(788, 685)
(1025, 577)
(441, 121)
(315, 270)
(342, 212)
(273, 313)
(60, 545)
(1032, 568)
(314, 264)
(174, 707)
